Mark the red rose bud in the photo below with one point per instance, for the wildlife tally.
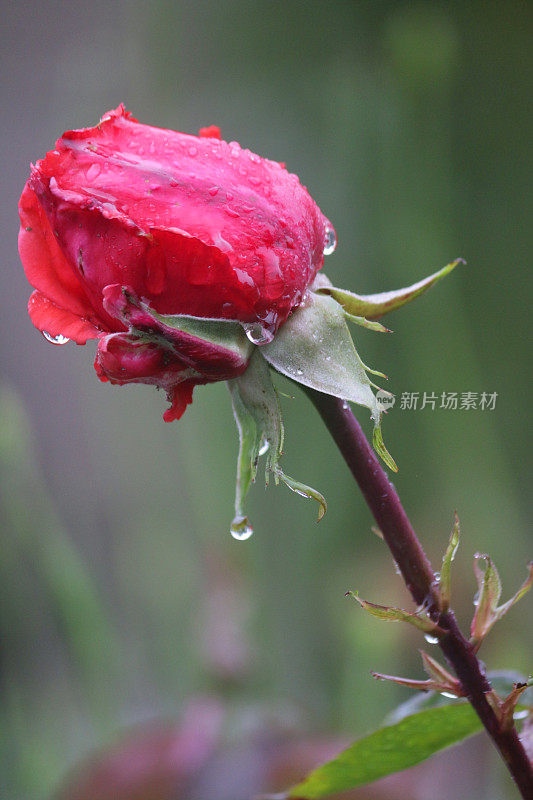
(125, 227)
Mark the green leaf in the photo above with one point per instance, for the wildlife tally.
(393, 614)
(373, 306)
(390, 749)
(487, 611)
(381, 450)
(436, 671)
(258, 418)
(314, 348)
(488, 594)
(526, 586)
(445, 572)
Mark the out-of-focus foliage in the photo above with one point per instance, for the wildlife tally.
(122, 595)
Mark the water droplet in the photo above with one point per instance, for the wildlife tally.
(330, 242)
(192, 151)
(299, 372)
(431, 639)
(241, 529)
(300, 492)
(257, 333)
(213, 191)
(265, 444)
(449, 694)
(59, 339)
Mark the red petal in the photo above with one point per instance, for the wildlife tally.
(47, 316)
(210, 360)
(210, 132)
(45, 265)
(251, 209)
(181, 397)
(121, 358)
(177, 272)
(199, 279)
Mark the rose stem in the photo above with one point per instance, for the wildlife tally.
(398, 533)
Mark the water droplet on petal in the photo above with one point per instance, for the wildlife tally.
(241, 529)
(265, 444)
(257, 333)
(431, 639)
(330, 242)
(59, 339)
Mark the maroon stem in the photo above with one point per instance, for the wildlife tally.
(398, 533)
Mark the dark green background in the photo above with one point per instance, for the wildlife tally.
(410, 123)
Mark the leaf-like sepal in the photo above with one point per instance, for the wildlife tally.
(373, 306)
(258, 418)
(314, 348)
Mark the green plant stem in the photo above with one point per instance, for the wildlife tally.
(398, 533)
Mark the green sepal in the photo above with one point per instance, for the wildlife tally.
(222, 333)
(373, 306)
(371, 325)
(258, 418)
(314, 348)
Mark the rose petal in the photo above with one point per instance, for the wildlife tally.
(251, 209)
(121, 358)
(208, 358)
(47, 316)
(45, 265)
(180, 397)
(210, 132)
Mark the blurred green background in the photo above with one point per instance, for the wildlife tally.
(122, 595)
